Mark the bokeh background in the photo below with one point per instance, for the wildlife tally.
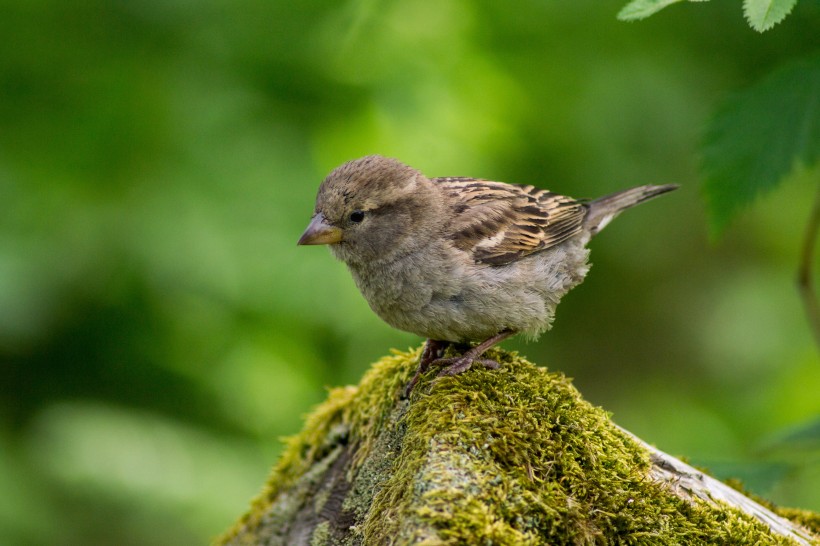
(160, 331)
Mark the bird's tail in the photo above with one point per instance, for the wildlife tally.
(604, 209)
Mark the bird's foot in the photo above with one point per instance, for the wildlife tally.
(460, 364)
(433, 350)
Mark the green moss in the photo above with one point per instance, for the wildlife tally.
(349, 415)
(513, 456)
(809, 520)
(321, 535)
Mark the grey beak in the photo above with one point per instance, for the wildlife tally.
(320, 232)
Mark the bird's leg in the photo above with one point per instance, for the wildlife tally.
(433, 350)
(458, 364)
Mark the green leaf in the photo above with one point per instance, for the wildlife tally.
(759, 136)
(801, 438)
(641, 9)
(764, 14)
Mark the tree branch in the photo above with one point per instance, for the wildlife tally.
(507, 456)
(805, 275)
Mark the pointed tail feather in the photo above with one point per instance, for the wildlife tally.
(604, 209)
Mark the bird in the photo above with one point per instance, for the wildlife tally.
(458, 260)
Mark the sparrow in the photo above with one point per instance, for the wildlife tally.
(458, 260)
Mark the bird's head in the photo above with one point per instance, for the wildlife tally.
(370, 209)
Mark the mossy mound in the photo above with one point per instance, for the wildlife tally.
(507, 456)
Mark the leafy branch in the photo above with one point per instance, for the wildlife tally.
(805, 276)
(761, 14)
(758, 139)
(760, 136)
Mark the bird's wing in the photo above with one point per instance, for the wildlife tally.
(500, 223)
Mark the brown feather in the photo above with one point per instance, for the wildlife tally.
(501, 223)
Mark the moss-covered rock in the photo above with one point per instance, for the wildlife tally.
(507, 456)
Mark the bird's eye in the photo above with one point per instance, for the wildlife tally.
(356, 216)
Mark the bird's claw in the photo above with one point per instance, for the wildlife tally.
(459, 364)
(454, 366)
(433, 350)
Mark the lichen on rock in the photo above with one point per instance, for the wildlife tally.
(507, 456)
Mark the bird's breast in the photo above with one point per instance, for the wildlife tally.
(399, 286)
(419, 292)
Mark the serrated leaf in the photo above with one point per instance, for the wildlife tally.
(759, 136)
(641, 9)
(764, 14)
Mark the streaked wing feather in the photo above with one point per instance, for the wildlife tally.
(500, 223)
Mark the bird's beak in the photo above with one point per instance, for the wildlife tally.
(319, 232)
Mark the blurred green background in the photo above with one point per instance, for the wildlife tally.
(160, 330)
